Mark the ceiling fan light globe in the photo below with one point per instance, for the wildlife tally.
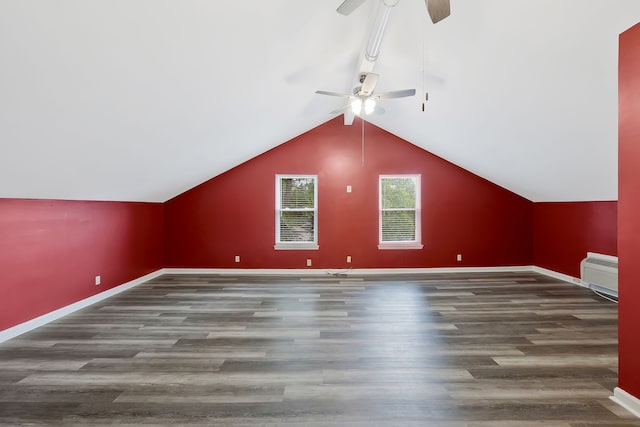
(369, 105)
(356, 106)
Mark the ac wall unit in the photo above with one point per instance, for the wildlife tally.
(600, 272)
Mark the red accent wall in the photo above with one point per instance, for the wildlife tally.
(563, 233)
(51, 251)
(234, 213)
(629, 211)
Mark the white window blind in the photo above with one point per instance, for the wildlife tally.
(400, 212)
(296, 212)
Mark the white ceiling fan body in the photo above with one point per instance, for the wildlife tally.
(363, 96)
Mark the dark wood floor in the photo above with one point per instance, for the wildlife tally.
(430, 350)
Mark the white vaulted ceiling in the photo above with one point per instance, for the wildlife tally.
(143, 99)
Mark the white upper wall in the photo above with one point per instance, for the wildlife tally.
(143, 99)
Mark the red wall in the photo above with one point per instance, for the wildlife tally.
(564, 232)
(51, 251)
(629, 211)
(233, 213)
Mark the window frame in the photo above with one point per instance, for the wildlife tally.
(404, 244)
(278, 209)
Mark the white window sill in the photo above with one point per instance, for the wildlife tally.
(400, 245)
(296, 246)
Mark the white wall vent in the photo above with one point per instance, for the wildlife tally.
(600, 272)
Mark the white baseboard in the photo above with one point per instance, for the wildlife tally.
(246, 271)
(559, 276)
(61, 312)
(626, 400)
(347, 271)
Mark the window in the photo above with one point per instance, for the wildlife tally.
(296, 212)
(400, 212)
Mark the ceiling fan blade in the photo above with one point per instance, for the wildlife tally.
(341, 109)
(368, 84)
(349, 6)
(395, 94)
(438, 9)
(339, 95)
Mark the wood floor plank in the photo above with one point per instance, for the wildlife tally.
(463, 350)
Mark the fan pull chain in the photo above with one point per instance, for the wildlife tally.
(362, 142)
(424, 60)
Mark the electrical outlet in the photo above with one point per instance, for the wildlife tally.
(348, 189)
(237, 258)
(308, 262)
(348, 258)
(459, 257)
(98, 280)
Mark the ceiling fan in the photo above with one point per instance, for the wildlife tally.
(363, 97)
(438, 9)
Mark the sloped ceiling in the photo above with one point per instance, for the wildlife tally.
(143, 99)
